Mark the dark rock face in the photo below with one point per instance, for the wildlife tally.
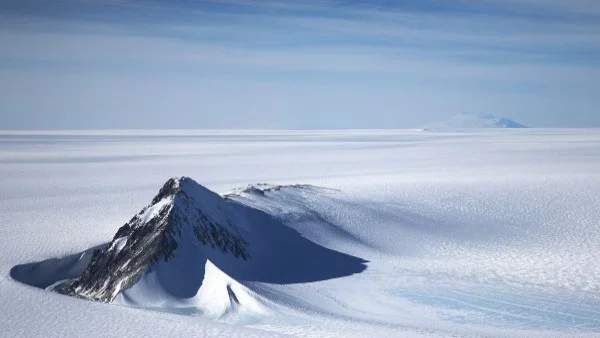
(153, 235)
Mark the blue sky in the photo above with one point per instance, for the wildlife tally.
(88, 64)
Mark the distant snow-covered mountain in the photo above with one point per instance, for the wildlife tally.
(469, 120)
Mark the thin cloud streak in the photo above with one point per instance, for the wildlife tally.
(353, 45)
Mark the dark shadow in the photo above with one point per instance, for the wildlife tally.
(280, 255)
(47, 272)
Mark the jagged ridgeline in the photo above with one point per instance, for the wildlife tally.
(182, 214)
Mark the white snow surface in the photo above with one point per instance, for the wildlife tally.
(475, 234)
(212, 300)
(473, 121)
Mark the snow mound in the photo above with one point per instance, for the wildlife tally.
(474, 121)
(218, 297)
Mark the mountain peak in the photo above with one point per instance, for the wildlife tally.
(471, 120)
(186, 185)
(183, 216)
(170, 188)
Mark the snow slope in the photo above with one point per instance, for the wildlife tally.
(470, 121)
(484, 233)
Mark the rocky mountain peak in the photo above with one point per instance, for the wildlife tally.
(182, 215)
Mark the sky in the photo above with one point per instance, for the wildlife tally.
(265, 64)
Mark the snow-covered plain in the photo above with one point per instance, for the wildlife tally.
(490, 233)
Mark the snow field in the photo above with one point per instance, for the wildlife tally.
(479, 233)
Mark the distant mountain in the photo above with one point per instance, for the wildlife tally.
(469, 120)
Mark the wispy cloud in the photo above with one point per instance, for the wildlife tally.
(494, 44)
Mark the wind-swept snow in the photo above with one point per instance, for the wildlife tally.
(219, 297)
(480, 234)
